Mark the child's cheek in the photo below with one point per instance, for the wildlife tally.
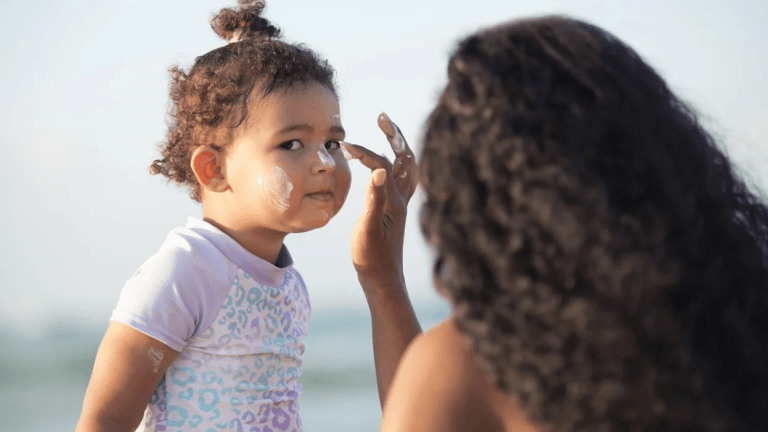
(343, 182)
(276, 187)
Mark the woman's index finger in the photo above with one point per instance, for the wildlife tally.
(366, 157)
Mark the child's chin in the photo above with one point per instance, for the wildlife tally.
(309, 226)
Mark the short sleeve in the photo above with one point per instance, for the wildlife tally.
(176, 293)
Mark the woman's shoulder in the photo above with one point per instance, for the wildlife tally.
(445, 347)
(440, 386)
(446, 352)
(437, 387)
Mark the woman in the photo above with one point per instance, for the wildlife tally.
(606, 266)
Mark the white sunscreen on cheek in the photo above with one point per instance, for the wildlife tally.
(325, 158)
(277, 187)
(155, 356)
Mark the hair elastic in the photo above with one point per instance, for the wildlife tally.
(236, 36)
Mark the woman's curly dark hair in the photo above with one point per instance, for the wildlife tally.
(211, 101)
(598, 248)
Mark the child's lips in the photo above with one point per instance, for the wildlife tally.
(321, 196)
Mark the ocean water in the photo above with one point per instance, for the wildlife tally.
(43, 379)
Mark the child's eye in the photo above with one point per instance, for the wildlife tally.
(332, 145)
(292, 145)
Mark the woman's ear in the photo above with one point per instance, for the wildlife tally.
(207, 164)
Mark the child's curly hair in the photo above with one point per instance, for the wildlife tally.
(211, 101)
(598, 248)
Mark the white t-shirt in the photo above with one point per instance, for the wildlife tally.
(238, 322)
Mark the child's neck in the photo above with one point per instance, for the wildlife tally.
(265, 243)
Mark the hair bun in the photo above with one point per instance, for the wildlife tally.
(245, 22)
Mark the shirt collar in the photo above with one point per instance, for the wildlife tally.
(263, 271)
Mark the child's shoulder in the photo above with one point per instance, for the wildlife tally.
(177, 290)
(187, 255)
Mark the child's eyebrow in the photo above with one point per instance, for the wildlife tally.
(334, 129)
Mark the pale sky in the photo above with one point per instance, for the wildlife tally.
(84, 89)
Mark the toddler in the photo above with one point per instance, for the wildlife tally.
(209, 330)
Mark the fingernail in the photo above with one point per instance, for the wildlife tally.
(379, 176)
(386, 125)
(345, 152)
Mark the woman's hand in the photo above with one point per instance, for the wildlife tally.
(377, 237)
(377, 251)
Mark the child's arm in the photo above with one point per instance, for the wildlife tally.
(128, 366)
(377, 252)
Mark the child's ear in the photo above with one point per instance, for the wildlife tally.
(207, 164)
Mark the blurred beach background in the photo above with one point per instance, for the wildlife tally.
(84, 97)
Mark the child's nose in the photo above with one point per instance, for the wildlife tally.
(325, 160)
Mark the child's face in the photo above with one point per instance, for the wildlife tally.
(285, 168)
